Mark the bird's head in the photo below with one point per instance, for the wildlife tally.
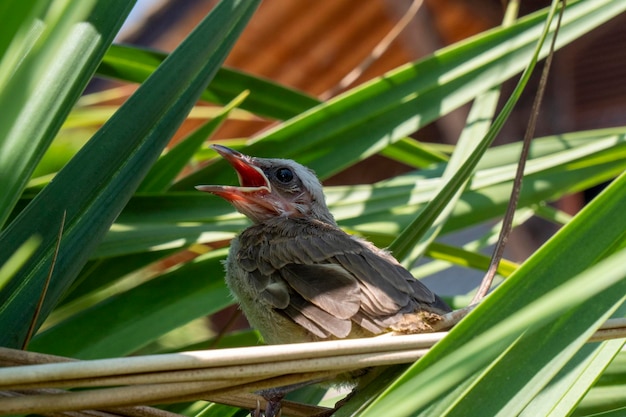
(271, 188)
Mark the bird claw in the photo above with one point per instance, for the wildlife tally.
(273, 406)
(274, 397)
(256, 412)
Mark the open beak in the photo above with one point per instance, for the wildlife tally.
(253, 196)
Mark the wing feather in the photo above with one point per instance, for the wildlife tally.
(322, 278)
(296, 315)
(301, 311)
(327, 286)
(277, 294)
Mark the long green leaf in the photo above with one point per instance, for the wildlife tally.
(17, 259)
(47, 70)
(413, 153)
(94, 187)
(130, 63)
(561, 397)
(20, 12)
(412, 242)
(128, 321)
(608, 393)
(102, 273)
(168, 167)
(618, 412)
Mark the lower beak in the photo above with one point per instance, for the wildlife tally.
(252, 180)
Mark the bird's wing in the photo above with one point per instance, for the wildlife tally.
(322, 278)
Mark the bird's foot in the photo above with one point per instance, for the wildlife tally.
(274, 397)
(272, 407)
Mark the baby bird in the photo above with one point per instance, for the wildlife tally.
(298, 277)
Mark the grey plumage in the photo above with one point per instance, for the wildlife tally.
(298, 276)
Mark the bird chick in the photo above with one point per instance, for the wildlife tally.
(298, 277)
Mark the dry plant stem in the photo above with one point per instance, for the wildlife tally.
(241, 399)
(138, 411)
(608, 334)
(141, 411)
(169, 368)
(142, 394)
(449, 320)
(612, 329)
(215, 358)
(376, 53)
(226, 396)
(612, 324)
(14, 357)
(102, 398)
(44, 290)
(83, 413)
(228, 375)
(519, 175)
(249, 401)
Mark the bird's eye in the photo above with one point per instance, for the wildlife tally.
(284, 175)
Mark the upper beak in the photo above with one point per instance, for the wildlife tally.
(252, 180)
